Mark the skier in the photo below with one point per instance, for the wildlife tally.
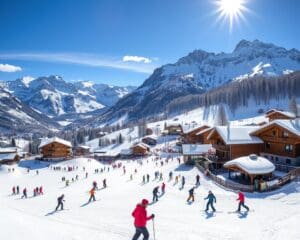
(14, 190)
(18, 190)
(161, 176)
(182, 182)
(144, 179)
(155, 194)
(95, 185)
(241, 200)
(104, 183)
(140, 220)
(92, 195)
(148, 177)
(131, 177)
(163, 187)
(170, 175)
(176, 179)
(24, 193)
(60, 203)
(67, 183)
(197, 180)
(41, 190)
(211, 200)
(191, 195)
(86, 175)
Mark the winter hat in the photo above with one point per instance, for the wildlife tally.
(145, 202)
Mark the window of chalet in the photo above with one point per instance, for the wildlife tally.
(288, 161)
(276, 159)
(274, 133)
(268, 145)
(288, 148)
(285, 134)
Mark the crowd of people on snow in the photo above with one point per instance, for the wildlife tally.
(139, 214)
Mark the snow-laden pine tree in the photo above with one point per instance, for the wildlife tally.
(221, 118)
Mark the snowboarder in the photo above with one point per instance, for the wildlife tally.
(60, 203)
(92, 195)
(182, 182)
(140, 220)
(191, 195)
(104, 183)
(197, 180)
(241, 200)
(211, 200)
(24, 193)
(163, 187)
(155, 194)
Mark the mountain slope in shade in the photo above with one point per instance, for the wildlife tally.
(16, 116)
(198, 72)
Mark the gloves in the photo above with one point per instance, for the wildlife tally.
(153, 216)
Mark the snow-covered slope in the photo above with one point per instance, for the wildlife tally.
(54, 96)
(200, 71)
(273, 216)
(15, 116)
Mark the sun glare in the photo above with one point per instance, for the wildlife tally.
(231, 11)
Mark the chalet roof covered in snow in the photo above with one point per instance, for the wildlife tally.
(292, 126)
(204, 130)
(47, 141)
(188, 129)
(8, 150)
(195, 149)
(285, 113)
(7, 156)
(142, 145)
(236, 134)
(252, 164)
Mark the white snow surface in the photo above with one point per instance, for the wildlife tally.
(47, 141)
(275, 214)
(252, 164)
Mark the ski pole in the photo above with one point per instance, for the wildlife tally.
(153, 228)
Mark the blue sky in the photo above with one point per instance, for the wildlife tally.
(120, 42)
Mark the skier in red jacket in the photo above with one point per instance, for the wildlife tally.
(241, 200)
(140, 220)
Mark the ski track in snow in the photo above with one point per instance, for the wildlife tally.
(274, 217)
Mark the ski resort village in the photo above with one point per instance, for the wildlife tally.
(149, 120)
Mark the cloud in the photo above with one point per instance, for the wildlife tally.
(136, 59)
(9, 68)
(83, 59)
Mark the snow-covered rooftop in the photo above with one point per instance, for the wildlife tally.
(286, 113)
(291, 125)
(142, 145)
(8, 150)
(252, 164)
(47, 141)
(237, 134)
(7, 156)
(204, 130)
(195, 149)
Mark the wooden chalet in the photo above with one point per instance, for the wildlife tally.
(202, 136)
(277, 114)
(281, 141)
(231, 142)
(140, 149)
(174, 129)
(251, 167)
(190, 136)
(150, 140)
(82, 150)
(55, 149)
(9, 155)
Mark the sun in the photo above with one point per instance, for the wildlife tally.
(231, 11)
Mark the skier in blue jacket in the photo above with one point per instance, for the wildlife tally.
(211, 200)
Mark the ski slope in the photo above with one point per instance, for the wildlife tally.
(275, 215)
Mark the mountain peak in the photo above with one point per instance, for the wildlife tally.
(255, 45)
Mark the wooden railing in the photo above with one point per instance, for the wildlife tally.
(292, 175)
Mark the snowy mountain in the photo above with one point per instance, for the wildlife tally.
(200, 71)
(15, 116)
(55, 97)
